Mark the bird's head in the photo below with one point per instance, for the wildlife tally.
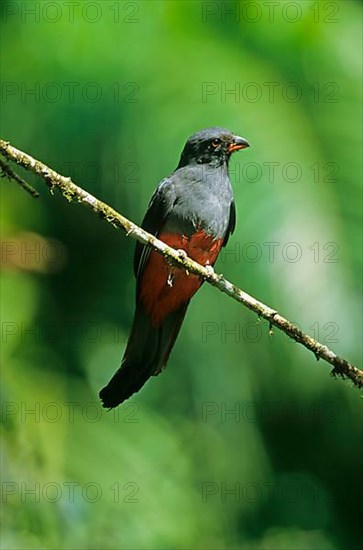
(212, 146)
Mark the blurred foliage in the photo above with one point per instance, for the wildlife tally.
(117, 89)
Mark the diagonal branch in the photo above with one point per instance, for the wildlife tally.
(71, 191)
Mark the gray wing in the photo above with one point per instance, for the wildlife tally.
(160, 206)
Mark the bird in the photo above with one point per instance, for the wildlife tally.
(193, 210)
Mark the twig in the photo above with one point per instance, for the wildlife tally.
(71, 192)
(9, 173)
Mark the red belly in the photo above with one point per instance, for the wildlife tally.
(164, 288)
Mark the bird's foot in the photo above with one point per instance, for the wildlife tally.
(210, 269)
(182, 253)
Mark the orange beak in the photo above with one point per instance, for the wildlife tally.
(238, 143)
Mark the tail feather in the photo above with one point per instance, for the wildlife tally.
(146, 353)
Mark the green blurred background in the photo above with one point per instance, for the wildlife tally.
(244, 441)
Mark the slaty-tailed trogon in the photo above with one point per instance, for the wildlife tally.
(191, 210)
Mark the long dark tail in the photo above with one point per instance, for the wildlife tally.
(146, 354)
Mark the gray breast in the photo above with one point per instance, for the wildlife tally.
(203, 201)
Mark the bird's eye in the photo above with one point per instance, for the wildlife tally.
(216, 142)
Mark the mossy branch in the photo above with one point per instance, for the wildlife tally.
(71, 192)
